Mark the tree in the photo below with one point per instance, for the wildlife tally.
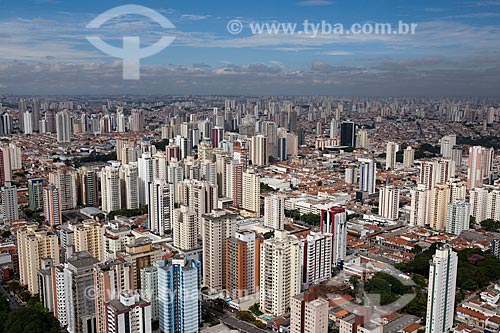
(28, 319)
(245, 316)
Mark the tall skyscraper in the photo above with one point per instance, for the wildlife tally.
(280, 272)
(334, 221)
(348, 134)
(35, 244)
(259, 150)
(149, 288)
(274, 211)
(52, 205)
(234, 182)
(179, 284)
(185, 228)
(390, 159)
(241, 264)
(441, 296)
(447, 143)
(63, 127)
(457, 217)
(362, 138)
(408, 157)
(64, 178)
(129, 174)
(251, 192)
(88, 186)
(485, 203)
(28, 123)
(420, 206)
(216, 228)
(479, 166)
(161, 206)
(334, 129)
(110, 187)
(388, 204)
(367, 175)
(436, 172)
(440, 198)
(36, 114)
(89, 237)
(78, 280)
(10, 203)
(317, 258)
(111, 278)
(35, 194)
(309, 313)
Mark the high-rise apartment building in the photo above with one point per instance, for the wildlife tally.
(447, 144)
(241, 262)
(128, 313)
(309, 313)
(280, 272)
(78, 283)
(179, 284)
(129, 174)
(111, 188)
(441, 295)
(35, 245)
(390, 158)
(63, 127)
(408, 157)
(65, 179)
(388, 205)
(110, 278)
(274, 211)
(334, 221)
(10, 204)
(35, 194)
(185, 228)
(161, 206)
(317, 258)
(367, 175)
(259, 150)
(216, 228)
(251, 192)
(457, 217)
(89, 237)
(52, 205)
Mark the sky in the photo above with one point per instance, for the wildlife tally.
(455, 50)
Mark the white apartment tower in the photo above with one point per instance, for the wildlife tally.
(110, 188)
(388, 206)
(280, 272)
(441, 296)
(274, 211)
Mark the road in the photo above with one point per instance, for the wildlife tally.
(240, 325)
(12, 300)
(235, 323)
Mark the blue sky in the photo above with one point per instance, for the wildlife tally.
(455, 50)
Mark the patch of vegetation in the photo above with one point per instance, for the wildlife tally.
(485, 141)
(471, 275)
(31, 318)
(387, 286)
(128, 212)
(264, 188)
(491, 225)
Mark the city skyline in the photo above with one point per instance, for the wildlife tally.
(454, 51)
